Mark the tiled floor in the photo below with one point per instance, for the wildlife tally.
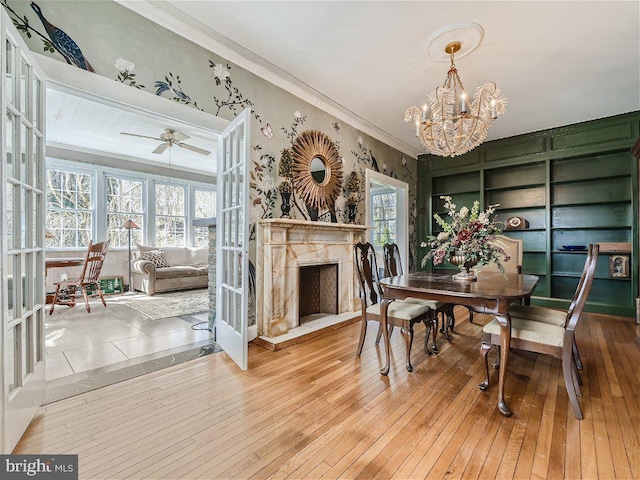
(88, 350)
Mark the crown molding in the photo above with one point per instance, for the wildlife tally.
(169, 17)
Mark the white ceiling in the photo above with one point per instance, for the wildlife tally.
(557, 62)
(94, 126)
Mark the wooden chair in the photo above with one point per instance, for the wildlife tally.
(549, 338)
(513, 249)
(67, 291)
(551, 315)
(392, 268)
(400, 313)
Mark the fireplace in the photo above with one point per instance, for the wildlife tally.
(292, 252)
(317, 291)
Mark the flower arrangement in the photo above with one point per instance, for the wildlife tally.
(469, 233)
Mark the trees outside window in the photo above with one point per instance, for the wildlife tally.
(70, 208)
(124, 202)
(204, 202)
(384, 218)
(170, 215)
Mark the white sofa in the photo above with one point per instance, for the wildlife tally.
(189, 268)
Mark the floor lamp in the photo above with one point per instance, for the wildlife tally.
(130, 225)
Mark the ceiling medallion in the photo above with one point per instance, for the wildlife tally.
(448, 124)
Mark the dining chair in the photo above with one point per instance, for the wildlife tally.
(400, 313)
(548, 338)
(512, 263)
(393, 268)
(68, 290)
(554, 316)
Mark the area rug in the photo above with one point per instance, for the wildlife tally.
(171, 304)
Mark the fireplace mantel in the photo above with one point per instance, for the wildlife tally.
(285, 245)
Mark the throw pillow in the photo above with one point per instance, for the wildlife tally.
(157, 257)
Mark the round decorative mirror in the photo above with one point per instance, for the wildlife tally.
(317, 169)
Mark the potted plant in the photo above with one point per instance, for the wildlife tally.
(353, 195)
(285, 169)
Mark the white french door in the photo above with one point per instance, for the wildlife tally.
(22, 294)
(232, 255)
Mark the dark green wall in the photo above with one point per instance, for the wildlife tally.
(576, 185)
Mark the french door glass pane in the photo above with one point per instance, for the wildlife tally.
(39, 290)
(11, 294)
(9, 142)
(39, 334)
(10, 87)
(24, 76)
(23, 219)
(37, 84)
(24, 349)
(10, 239)
(36, 165)
(11, 371)
(29, 353)
(24, 293)
(23, 153)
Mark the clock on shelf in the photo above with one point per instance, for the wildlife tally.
(516, 222)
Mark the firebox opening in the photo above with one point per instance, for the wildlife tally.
(318, 292)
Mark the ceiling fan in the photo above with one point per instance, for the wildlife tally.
(169, 138)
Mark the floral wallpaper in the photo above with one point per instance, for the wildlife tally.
(111, 40)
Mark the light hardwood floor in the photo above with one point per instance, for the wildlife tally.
(314, 410)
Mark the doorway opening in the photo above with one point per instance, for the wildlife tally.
(387, 213)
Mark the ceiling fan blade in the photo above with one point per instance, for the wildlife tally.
(141, 136)
(193, 149)
(179, 136)
(162, 147)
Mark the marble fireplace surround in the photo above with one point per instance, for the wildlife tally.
(285, 245)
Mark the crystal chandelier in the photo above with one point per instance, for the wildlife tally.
(448, 124)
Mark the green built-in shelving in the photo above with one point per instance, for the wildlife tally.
(575, 185)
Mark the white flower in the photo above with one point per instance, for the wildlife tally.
(360, 139)
(125, 65)
(464, 211)
(404, 161)
(443, 236)
(482, 218)
(297, 114)
(267, 184)
(220, 71)
(423, 244)
(255, 214)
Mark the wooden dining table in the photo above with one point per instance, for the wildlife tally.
(492, 293)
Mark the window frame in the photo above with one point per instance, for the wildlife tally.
(77, 170)
(99, 191)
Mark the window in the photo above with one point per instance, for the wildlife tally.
(384, 218)
(205, 207)
(170, 215)
(124, 202)
(69, 208)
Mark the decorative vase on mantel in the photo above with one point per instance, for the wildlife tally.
(286, 204)
(459, 258)
(351, 213)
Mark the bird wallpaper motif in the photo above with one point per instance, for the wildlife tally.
(110, 40)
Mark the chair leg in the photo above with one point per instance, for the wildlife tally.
(100, 294)
(86, 299)
(452, 316)
(577, 381)
(470, 314)
(379, 334)
(407, 333)
(576, 355)
(568, 372)
(363, 332)
(55, 299)
(484, 351)
(433, 315)
(428, 325)
(496, 362)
